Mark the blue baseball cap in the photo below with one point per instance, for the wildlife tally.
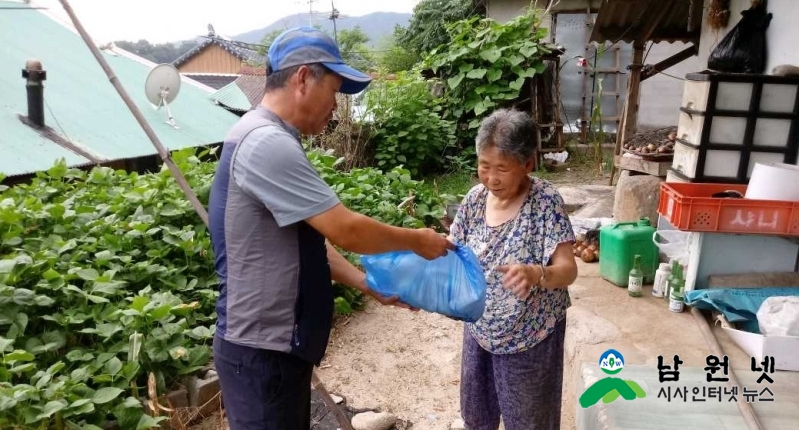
(306, 45)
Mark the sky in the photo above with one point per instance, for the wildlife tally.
(161, 21)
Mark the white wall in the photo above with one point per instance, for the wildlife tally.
(782, 36)
(661, 95)
(506, 10)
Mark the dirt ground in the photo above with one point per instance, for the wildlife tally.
(406, 363)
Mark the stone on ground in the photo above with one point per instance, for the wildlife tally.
(458, 425)
(573, 198)
(637, 197)
(373, 421)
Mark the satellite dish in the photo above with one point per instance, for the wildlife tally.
(162, 87)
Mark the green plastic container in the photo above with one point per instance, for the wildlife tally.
(618, 245)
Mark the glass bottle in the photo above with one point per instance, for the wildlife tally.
(676, 285)
(635, 282)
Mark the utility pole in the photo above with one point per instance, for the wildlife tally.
(334, 17)
(310, 12)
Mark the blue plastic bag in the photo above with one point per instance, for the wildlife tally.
(453, 285)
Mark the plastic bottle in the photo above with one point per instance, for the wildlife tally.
(676, 300)
(661, 280)
(619, 243)
(636, 280)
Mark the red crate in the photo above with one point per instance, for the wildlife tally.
(690, 207)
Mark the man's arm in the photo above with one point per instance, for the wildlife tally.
(271, 167)
(363, 235)
(343, 272)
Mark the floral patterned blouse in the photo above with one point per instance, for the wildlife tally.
(510, 325)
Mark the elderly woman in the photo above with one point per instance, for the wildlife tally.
(512, 364)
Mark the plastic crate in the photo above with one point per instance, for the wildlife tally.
(690, 207)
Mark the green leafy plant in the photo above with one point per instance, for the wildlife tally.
(378, 194)
(88, 262)
(486, 65)
(408, 128)
(107, 277)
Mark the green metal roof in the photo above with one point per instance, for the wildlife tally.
(82, 106)
(232, 96)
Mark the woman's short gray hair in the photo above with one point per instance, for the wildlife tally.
(513, 132)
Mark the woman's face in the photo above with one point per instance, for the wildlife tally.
(503, 176)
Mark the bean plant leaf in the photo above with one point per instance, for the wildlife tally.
(18, 355)
(491, 55)
(5, 344)
(7, 265)
(51, 408)
(105, 395)
(88, 274)
(453, 82)
(476, 74)
(113, 366)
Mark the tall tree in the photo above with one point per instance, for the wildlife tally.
(352, 43)
(267, 40)
(394, 57)
(427, 28)
(158, 53)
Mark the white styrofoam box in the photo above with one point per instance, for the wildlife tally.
(784, 349)
(729, 95)
(717, 163)
(771, 132)
(672, 177)
(722, 163)
(729, 130)
(695, 95)
(734, 96)
(684, 160)
(777, 98)
(764, 158)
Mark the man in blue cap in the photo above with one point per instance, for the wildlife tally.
(272, 222)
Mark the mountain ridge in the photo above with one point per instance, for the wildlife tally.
(376, 25)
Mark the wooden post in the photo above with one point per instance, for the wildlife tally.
(629, 120)
(747, 411)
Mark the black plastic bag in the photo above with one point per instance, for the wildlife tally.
(743, 49)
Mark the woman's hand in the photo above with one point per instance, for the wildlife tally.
(520, 278)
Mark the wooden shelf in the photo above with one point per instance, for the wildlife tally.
(654, 168)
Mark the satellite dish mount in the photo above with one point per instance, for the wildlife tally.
(162, 87)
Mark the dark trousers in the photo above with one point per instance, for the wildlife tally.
(263, 390)
(523, 388)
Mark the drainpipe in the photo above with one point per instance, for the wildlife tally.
(35, 86)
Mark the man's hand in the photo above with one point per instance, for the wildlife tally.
(520, 278)
(431, 245)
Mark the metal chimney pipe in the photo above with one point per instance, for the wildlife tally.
(35, 86)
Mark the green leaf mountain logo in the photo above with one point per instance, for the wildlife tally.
(609, 389)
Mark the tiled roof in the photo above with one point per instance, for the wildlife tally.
(82, 108)
(234, 48)
(253, 87)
